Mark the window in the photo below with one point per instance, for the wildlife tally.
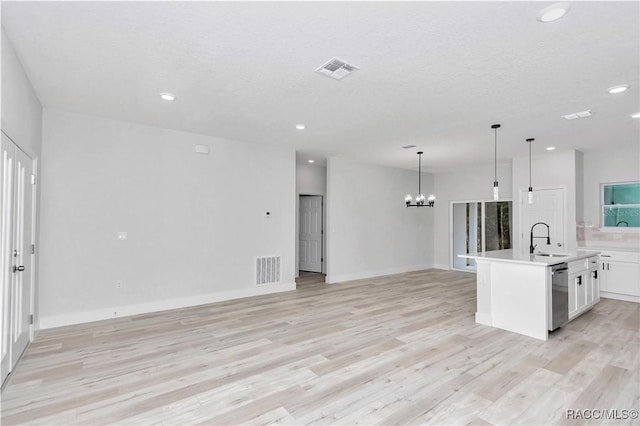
(621, 205)
(479, 226)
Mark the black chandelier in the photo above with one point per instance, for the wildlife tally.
(420, 198)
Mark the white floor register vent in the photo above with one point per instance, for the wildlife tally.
(268, 270)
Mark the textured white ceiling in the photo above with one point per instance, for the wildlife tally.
(433, 74)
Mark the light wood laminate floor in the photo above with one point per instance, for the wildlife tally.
(401, 349)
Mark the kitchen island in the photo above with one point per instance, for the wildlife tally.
(514, 289)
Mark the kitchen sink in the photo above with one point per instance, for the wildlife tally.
(551, 254)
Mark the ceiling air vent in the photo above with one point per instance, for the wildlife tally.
(337, 69)
(575, 115)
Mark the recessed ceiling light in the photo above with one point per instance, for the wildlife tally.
(168, 96)
(553, 12)
(550, 148)
(618, 89)
(636, 115)
(312, 161)
(300, 126)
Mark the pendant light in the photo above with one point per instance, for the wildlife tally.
(530, 188)
(420, 199)
(496, 195)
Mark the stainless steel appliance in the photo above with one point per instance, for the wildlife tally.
(559, 295)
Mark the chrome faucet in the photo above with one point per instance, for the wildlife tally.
(531, 237)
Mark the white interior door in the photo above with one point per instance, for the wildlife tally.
(311, 233)
(7, 151)
(547, 207)
(22, 269)
(16, 258)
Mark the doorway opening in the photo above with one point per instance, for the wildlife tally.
(311, 234)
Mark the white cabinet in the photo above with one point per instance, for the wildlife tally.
(593, 284)
(583, 287)
(577, 293)
(622, 278)
(619, 274)
(573, 300)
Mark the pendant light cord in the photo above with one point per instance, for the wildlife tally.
(495, 128)
(529, 141)
(419, 174)
(529, 164)
(495, 155)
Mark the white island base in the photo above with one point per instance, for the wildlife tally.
(514, 290)
(514, 297)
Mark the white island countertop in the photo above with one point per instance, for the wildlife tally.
(536, 259)
(515, 289)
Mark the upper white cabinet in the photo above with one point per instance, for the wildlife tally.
(620, 275)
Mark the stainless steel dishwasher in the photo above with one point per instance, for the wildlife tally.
(559, 295)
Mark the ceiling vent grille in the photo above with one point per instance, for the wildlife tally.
(336, 69)
(575, 115)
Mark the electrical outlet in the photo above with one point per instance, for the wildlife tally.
(118, 283)
(122, 236)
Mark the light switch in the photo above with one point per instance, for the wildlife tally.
(122, 236)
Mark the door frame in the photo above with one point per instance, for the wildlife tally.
(323, 241)
(33, 282)
(34, 269)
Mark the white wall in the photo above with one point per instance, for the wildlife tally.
(311, 179)
(607, 166)
(21, 109)
(21, 121)
(370, 230)
(195, 222)
(549, 170)
(579, 179)
(463, 185)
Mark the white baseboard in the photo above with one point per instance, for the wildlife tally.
(53, 321)
(333, 279)
(484, 319)
(441, 266)
(617, 296)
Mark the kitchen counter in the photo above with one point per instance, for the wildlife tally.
(514, 288)
(619, 271)
(603, 247)
(536, 259)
